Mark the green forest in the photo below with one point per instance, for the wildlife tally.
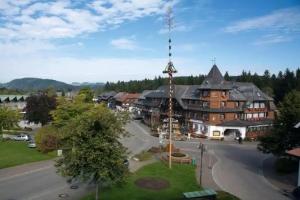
(275, 85)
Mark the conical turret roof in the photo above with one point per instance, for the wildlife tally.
(215, 80)
(214, 76)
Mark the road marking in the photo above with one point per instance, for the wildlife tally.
(24, 173)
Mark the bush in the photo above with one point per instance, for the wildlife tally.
(177, 154)
(286, 165)
(47, 139)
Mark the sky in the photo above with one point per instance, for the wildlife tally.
(111, 40)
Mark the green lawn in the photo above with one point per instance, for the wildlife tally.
(14, 153)
(181, 177)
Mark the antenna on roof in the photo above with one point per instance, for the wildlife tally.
(213, 61)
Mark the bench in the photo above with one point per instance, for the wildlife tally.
(202, 194)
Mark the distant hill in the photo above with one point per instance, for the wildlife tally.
(88, 84)
(30, 84)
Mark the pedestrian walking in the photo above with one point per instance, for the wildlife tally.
(240, 140)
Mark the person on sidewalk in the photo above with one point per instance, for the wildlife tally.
(189, 136)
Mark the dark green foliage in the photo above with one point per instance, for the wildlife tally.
(274, 86)
(87, 93)
(38, 108)
(286, 165)
(284, 135)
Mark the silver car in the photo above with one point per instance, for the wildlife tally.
(21, 137)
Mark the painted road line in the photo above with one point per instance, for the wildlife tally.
(25, 173)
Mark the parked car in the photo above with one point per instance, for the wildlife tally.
(21, 137)
(31, 144)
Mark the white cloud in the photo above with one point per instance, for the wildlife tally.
(272, 39)
(286, 20)
(176, 28)
(124, 43)
(62, 19)
(24, 47)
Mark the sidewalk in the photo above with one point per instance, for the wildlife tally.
(136, 165)
(207, 179)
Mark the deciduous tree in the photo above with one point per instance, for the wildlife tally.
(8, 118)
(91, 147)
(284, 136)
(38, 108)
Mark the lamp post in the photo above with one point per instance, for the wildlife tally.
(170, 70)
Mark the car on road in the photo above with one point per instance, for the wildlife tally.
(21, 137)
(31, 144)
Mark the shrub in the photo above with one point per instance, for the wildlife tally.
(47, 139)
(286, 165)
(178, 154)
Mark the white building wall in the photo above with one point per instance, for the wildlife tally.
(213, 130)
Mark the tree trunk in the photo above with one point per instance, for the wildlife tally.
(97, 188)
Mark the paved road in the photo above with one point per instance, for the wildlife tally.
(38, 181)
(239, 171)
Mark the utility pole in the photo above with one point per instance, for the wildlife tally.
(202, 149)
(170, 70)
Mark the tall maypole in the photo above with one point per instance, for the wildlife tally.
(170, 70)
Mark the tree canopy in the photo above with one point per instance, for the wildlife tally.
(284, 135)
(38, 108)
(90, 141)
(8, 118)
(87, 93)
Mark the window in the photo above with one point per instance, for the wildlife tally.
(256, 105)
(236, 116)
(214, 94)
(205, 93)
(222, 116)
(223, 104)
(205, 116)
(255, 115)
(251, 105)
(223, 94)
(216, 133)
(261, 115)
(249, 115)
(262, 105)
(205, 104)
(195, 116)
(237, 104)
